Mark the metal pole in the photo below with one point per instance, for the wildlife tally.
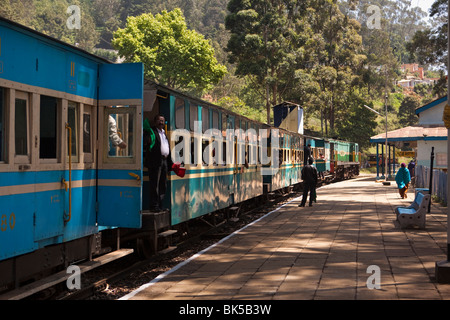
(389, 164)
(393, 161)
(431, 176)
(378, 161)
(385, 114)
(386, 163)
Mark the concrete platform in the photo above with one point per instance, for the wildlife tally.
(318, 253)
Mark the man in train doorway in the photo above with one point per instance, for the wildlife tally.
(309, 177)
(157, 160)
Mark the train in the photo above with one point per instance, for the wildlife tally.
(70, 196)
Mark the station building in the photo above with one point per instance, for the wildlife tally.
(430, 132)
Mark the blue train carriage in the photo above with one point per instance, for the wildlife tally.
(285, 159)
(217, 148)
(57, 192)
(345, 159)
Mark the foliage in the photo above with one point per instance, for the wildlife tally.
(266, 44)
(172, 54)
(429, 46)
(50, 16)
(407, 111)
(236, 105)
(359, 123)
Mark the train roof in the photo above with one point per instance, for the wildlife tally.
(41, 36)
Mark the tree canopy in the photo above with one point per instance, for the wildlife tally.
(171, 53)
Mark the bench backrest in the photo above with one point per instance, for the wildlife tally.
(419, 198)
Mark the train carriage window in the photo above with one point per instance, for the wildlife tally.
(72, 121)
(224, 125)
(21, 124)
(2, 125)
(205, 119)
(215, 119)
(48, 127)
(87, 129)
(193, 116)
(205, 141)
(120, 127)
(179, 113)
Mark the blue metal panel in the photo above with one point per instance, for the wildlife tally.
(16, 225)
(32, 215)
(34, 60)
(49, 209)
(121, 81)
(119, 205)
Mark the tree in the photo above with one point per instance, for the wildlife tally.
(266, 44)
(172, 54)
(359, 123)
(21, 11)
(338, 59)
(51, 16)
(235, 104)
(429, 46)
(407, 111)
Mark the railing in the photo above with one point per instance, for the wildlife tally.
(439, 182)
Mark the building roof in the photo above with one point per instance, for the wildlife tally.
(431, 104)
(412, 134)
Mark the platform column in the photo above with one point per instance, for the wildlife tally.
(378, 169)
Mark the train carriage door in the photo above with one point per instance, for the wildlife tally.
(230, 156)
(119, 174)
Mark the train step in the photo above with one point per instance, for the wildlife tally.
(167, 236)
(167, 233)
(62, 276)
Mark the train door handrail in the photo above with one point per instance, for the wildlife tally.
(69, 129)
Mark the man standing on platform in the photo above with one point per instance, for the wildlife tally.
(309, 177)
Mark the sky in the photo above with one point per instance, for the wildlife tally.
(425, 5)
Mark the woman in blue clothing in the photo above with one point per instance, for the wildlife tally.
(403, 178)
